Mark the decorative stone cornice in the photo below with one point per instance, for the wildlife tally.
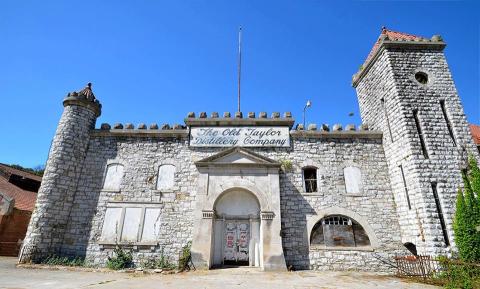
(435, 43)
(85, 98)
(208, 214)
(214, 161)
(267, 215)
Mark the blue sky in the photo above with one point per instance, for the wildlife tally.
(154, 61)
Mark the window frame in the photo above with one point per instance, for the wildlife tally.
(174, 183)
(140, 231)
(420, 134)
(105, 173)
(304, 180)
(448, 122)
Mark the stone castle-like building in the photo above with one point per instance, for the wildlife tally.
(259, 191)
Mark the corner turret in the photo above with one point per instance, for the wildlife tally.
(59, 184)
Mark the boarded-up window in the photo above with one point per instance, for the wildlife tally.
(166, 177)
(310, 179)
(339, 231)
(111, 224)
(131, 223)
(113, 177)
(361, 237)
(353, 180)
(151, 226)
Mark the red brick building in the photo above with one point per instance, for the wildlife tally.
(18, 193)
(475, 129)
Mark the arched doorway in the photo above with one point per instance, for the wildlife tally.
(236, 229)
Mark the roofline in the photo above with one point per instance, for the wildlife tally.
(28, 175)
(184, 133)
(242, 165)
(369, 134)
(395, 44)
(171, 133)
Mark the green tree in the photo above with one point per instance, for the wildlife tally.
(467, 215)
(475, 179)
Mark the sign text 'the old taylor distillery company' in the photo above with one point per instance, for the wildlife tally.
(245, 136)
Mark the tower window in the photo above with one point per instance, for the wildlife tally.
(440, 214)
(420, 134)
(405, 188)
(447, 120)
(386, 118)
(421, 77)
(310, 179)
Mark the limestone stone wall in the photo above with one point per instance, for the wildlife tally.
(374, 203)
(141, 157)
(392, 78)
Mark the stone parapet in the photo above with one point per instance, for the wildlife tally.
(336, 134)
(141, 132)
(238, 120)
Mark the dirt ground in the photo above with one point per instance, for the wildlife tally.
(13, 277)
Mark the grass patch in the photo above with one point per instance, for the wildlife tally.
(122, 259)
(54, 260)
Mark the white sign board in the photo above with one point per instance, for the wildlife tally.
(245, 136)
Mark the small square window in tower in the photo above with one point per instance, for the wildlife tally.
(310, 179)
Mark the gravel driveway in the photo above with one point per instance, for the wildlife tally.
(12, 277)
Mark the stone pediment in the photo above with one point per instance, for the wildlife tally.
(237, 156)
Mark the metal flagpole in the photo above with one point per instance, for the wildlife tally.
(239, 62)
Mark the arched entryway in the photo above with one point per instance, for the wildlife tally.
(238, 196)
(236, 239)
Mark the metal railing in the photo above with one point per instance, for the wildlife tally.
(417, 266)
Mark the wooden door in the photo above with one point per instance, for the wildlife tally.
(237, 238)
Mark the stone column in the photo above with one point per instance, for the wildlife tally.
(57, 191)
(202, 231)
(202, 254)
(270, 227)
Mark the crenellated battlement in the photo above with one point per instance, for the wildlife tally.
(177, 130)
(85, 98)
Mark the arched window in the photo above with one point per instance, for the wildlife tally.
(166, 177)
(113, 177)
(353, 180)
(339, 231)
(310, 179)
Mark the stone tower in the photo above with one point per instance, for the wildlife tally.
(62, 172)
(406, 90)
